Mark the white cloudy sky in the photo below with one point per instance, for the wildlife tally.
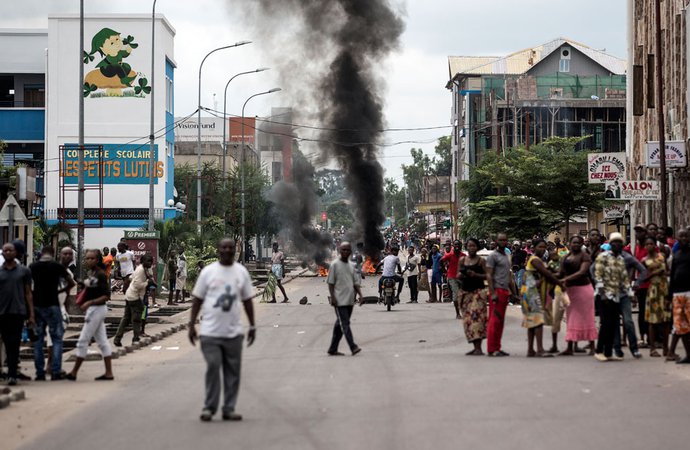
(416, 75)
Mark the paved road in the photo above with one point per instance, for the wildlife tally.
(412, 387)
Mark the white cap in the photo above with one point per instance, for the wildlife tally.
(616, 237)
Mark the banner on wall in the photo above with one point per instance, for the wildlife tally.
(633, 190)
(118, 164)
(606, 167)
(614, 210)
(676, 156)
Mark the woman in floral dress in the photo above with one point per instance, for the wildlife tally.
(473, 296)
(532, 303)
(658, 312)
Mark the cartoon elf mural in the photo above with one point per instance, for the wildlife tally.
(112, 74)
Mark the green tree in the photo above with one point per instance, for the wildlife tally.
(517, 216)
(551, 175)
(340, 214)
(395, 201)
(413, 175)
(444, 164)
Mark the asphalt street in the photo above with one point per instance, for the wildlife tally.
(412, 387)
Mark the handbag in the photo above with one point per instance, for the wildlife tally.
(81, 297)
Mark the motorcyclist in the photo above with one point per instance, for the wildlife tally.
(390, 263)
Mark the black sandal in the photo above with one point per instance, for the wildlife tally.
(104, 378)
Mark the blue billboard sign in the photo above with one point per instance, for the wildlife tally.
(118, 164)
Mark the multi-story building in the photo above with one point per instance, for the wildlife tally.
(22, 99)
(117, 105)
(561, 88)
(643, 105)
(274, 142)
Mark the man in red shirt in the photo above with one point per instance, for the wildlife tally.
(450, 262)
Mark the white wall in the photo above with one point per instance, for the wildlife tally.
(108, 120)
(23, 51)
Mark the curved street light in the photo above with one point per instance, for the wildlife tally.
(225, 104)
(242, 163)
(198, 136)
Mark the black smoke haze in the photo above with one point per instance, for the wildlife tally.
(329, 53)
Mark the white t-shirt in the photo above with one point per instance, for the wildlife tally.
(344, 278)
(222, 289)
(126, 261)
(182, 267)
(412, 265)
(390, 263)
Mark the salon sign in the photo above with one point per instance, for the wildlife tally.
(676, 156)
(606, 167)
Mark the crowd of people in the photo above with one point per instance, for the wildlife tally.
(558, 283)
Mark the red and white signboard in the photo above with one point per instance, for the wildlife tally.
(633, 190)
(676, 156)
(606, 167)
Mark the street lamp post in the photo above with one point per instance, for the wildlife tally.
(198, 136)
(225, 104)
(152, 160)
(242, 163)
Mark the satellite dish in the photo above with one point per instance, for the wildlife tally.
(594, 97)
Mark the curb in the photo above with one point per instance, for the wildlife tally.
(171, 329)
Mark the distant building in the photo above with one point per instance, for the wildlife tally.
(275, 138)
(561, 88)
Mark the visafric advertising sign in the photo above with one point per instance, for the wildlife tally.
(606, 167)
(119, 164)
(676, 156)
(633, 190)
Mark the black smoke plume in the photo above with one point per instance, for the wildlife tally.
(339, 44)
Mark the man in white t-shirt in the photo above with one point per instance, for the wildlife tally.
(218, 291)
(343, 284)
(125, 264)
(412, 269)
(390, 263)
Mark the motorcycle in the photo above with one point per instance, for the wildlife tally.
(388, 292)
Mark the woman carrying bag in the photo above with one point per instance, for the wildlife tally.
(92, 299)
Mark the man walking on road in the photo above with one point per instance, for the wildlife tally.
(343, 284)
(501, 287)
(412, 269)
(48, 275)
(218, 290)
(16, 305)
(613, 287)
(134, 305)
(450, 259)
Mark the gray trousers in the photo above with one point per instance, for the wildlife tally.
(225, 354)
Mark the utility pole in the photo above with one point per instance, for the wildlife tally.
(80, 173)
(527, 130)
(152, 159)
(660, 115)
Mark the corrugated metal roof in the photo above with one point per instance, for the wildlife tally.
(523, 60)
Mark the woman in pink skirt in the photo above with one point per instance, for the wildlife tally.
(580, 312)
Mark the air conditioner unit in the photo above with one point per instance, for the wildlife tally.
(565, 52)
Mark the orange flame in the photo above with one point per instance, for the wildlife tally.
(368, 267)
(323, 272)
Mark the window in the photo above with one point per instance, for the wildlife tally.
(34, 95)
(168, 95)
(564, 66)
(277, 169)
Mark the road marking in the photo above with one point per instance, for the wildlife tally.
(172, 348)
(156, 347)
(301, 332)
